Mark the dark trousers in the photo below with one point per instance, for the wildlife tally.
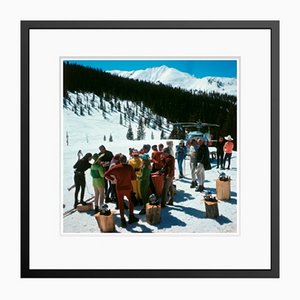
(227, 157)
(112, 192)
(220, 162)
(107, 185)
(79, 180)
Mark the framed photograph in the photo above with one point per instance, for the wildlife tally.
(150, 149)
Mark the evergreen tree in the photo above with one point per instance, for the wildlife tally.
(67, 138)
(125, 120)
(152, 135)
(110, 138)
(162, 135)
(81, 111)
(141, 130)
(111, 106)
(129, 134)
(121, 119)
(119, 106)
(104, 138)
(159, 122)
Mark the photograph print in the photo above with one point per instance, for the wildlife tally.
(150, 146)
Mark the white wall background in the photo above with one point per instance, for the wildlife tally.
(10, 16)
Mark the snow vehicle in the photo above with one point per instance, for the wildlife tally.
(199, 133)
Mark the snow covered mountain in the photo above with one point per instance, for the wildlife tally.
(176, 78)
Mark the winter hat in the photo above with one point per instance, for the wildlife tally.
(228, 138)
(181, 142)
(146, 147)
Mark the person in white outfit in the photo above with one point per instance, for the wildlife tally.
(193, 161)
(203, 163)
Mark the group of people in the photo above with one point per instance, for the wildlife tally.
(115, 177)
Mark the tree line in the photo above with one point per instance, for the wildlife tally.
(175, 104)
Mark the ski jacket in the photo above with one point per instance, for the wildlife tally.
(124, 174)
(220, 147)
(228, 147)
(157, 160)
(203, 156)
(97, 172)
(81, 166)
(169, 166)
(136, 164)
(107, 157)
(181, 152)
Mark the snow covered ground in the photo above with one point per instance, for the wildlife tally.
(188, 213)
(186, 216)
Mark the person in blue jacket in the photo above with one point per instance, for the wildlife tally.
(180, 154)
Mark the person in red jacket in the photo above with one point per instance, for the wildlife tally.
(122, 174)
(228, 147)
(157, 158)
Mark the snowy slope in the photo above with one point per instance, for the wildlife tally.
(94, 124)
(188, 213)
(176, 78)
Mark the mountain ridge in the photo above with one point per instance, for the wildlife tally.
(175, 78)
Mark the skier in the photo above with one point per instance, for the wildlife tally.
(80, 167)
(170, 146)
(180, 154)
(108, 156)
(193, 161)
(112, 189)
(122, 174)
(136, 164)
(203, 163)
(144, 181)
(228, 147)
(168, 171)
(220, 152)
(97, 172)
(156, 158)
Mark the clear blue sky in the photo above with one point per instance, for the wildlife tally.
(197, 68)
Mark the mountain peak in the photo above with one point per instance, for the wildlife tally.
(173, 77)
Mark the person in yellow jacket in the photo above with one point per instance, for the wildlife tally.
(228, 147)
(136, 162)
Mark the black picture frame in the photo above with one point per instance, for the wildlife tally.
(27, 272)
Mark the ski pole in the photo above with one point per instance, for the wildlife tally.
(71, 187)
